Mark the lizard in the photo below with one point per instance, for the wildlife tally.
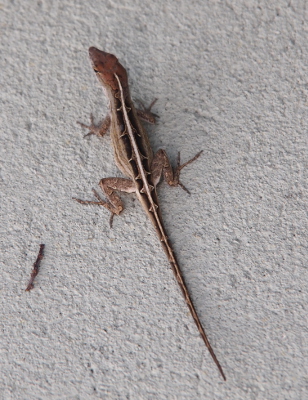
(136, 160)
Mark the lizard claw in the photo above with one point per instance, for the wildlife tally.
(183, 187)
(179, 167)
(146, 114)
(98, 130)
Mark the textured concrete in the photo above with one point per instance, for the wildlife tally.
(106, 319)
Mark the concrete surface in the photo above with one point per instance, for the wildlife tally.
(106, 319)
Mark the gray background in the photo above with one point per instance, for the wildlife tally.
(106, 319)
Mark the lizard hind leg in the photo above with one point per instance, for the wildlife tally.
(180, 167)
(161, 166)
(109, 186)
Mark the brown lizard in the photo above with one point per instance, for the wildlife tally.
(135, 158)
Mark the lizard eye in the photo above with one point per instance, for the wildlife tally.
(95, 70)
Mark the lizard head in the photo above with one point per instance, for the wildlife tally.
(106, 65)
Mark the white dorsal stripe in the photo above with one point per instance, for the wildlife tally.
(141, 168)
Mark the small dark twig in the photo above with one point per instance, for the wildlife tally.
(36, 267)
(111, 220)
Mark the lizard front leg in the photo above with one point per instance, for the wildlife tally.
(161, 166)
(98, 130)
(109, 186)
(146, 113)
(102, 128)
